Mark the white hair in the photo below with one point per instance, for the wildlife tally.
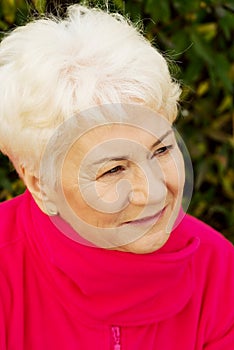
(51, 69)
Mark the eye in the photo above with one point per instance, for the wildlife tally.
(162, 150)
(113, 171)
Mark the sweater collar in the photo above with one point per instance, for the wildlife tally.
(109, 286)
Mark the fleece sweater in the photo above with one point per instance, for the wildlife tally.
(58, 294)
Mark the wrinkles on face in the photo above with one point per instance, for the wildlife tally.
(122, 184)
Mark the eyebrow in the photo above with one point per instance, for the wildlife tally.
(115, 159)
(162, 138)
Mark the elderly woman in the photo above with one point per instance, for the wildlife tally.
(97, 253)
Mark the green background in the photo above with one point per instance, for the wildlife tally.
(197, 38)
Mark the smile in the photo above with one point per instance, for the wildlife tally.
(148, 220)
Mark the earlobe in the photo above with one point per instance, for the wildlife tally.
(41, 198)
(50, 208)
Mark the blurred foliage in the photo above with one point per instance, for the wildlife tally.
(198, 37)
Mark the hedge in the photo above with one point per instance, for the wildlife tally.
(197, 39)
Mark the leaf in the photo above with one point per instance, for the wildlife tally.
(40, 5)
(158, 11)
(228, 184)
(203, 88)
(202, 49)
(226, 103)
(187, 6)
(208, 30)
(181, 42)
(201, 174)
(9, 11)
(120, 4)
(226, 23)
(193, 70)
(217, 135)
(3, 25)
(222, 71)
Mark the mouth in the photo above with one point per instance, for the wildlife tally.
(147, 220)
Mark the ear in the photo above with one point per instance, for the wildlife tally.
(41, 198)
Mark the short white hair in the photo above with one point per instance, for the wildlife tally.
(52, 68)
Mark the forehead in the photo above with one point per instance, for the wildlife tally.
(114, 132)
(144, 130)
(114, 140)
(88, 129)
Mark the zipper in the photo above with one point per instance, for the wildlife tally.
(116, 337)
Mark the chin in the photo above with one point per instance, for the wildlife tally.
(146, 244)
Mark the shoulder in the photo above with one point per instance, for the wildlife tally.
(214, 258)
(214, 280)
(208, 236)
(10, 220)
(11, 258)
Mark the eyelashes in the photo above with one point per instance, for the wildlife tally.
(115, 170)
(119, 169)
(162, 150)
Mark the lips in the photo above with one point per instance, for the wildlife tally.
(147, 220)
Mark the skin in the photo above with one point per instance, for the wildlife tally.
(121, 186)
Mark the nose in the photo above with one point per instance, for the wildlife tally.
(148, 187)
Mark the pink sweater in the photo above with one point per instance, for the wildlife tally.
(56, 294)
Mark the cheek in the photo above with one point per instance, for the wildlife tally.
(107, 192)
(94, 204)
(174, 173)
(83, 211)
(109, 197)
(72, 199)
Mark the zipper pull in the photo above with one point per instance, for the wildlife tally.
(116, 337)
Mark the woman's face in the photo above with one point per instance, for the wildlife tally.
(122, 185)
